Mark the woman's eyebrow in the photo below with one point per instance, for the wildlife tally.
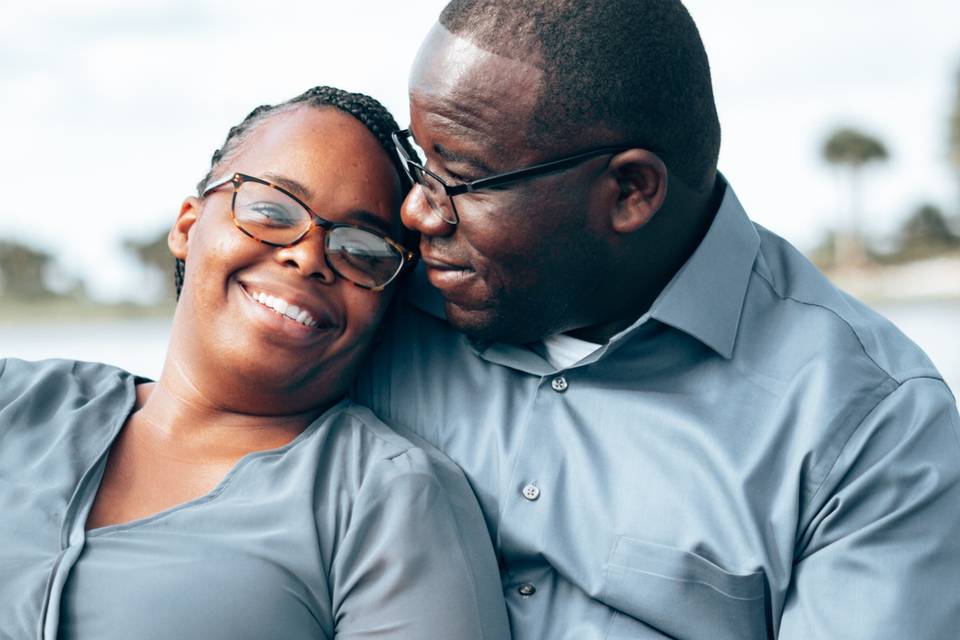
(291, 185)
(367, 219)
(363, 217)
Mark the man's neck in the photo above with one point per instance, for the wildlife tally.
(663, 247)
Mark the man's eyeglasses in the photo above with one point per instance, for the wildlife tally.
(440, 195)
(272, 215)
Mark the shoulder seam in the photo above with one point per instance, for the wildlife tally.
(866, 416)
(841, 319)
(853, 432)
(402, 450)
(950, 393)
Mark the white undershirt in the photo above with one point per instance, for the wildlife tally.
(563, 351)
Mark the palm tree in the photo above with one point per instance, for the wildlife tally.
(22, 272)
(852, 150)
(926, 233)
(155, 256)
(953, 141)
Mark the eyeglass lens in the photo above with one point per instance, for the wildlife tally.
(433, 190)
(358, 255)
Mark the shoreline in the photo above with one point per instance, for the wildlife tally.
(59, 311)
(931, 280)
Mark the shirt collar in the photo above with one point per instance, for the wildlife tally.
(705, 297)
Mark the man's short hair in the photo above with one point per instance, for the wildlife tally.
(636, 67)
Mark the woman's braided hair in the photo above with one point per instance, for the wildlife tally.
(373, 115)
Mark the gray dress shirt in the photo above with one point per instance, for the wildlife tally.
(348, 531)
(758, 456)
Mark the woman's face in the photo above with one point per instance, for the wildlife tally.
(225, 326)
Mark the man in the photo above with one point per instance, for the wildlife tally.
(676, 427)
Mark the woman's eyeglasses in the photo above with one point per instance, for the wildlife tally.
(272, 215)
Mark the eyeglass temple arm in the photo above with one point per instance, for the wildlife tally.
(216, 184)
(510, 177)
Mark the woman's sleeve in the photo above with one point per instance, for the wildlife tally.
(416, 562)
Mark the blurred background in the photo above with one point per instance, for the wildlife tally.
(841, 132)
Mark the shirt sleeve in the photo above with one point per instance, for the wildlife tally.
(881, 556)
(410, 567)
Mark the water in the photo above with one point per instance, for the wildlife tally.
(135, 345)
(935, 326)
(139, 345)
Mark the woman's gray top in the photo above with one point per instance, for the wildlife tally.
(349, 531)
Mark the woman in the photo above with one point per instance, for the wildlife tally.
(241, 496)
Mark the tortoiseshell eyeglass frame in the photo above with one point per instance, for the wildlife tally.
(408, 257)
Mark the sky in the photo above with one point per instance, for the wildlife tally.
(110, 109)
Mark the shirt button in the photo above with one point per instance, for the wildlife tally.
(531, 492)
(527, 589)
(559, 384)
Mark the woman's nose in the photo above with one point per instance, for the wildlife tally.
(308, 256)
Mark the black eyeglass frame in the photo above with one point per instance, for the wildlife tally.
(401, 142)
(407, 257)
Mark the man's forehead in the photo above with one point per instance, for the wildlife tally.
(450, 62)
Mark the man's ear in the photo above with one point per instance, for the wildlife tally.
(642, 178)
(180, 232)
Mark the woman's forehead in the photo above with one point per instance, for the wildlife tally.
(322, 135)
(331, 154)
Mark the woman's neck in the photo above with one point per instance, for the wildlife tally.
(178, 410)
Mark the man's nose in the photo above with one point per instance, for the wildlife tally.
(418, 214)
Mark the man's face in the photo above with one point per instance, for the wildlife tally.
(523, 261)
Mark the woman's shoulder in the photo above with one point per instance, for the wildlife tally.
(46, 386)
(367, 456)
(415, 513)
(383, 456)
(19, 375)
(391, 441)
(351, 438)
(400, 451)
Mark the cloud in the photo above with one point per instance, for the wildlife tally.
(112, 108)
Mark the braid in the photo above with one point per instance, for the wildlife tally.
(178, 267)
(373, 115)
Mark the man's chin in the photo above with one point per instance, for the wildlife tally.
(488, 325)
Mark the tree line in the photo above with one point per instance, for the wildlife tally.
(926, 232)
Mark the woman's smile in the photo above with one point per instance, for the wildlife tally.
(285, 308)
(291, 314)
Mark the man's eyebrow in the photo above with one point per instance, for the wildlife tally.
(452, 156)
(291, 185)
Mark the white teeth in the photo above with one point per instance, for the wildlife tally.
(283, 307)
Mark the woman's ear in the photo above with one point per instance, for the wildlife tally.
(642, 178)
(180, 232)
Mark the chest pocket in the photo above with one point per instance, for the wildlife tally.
(681, 594)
